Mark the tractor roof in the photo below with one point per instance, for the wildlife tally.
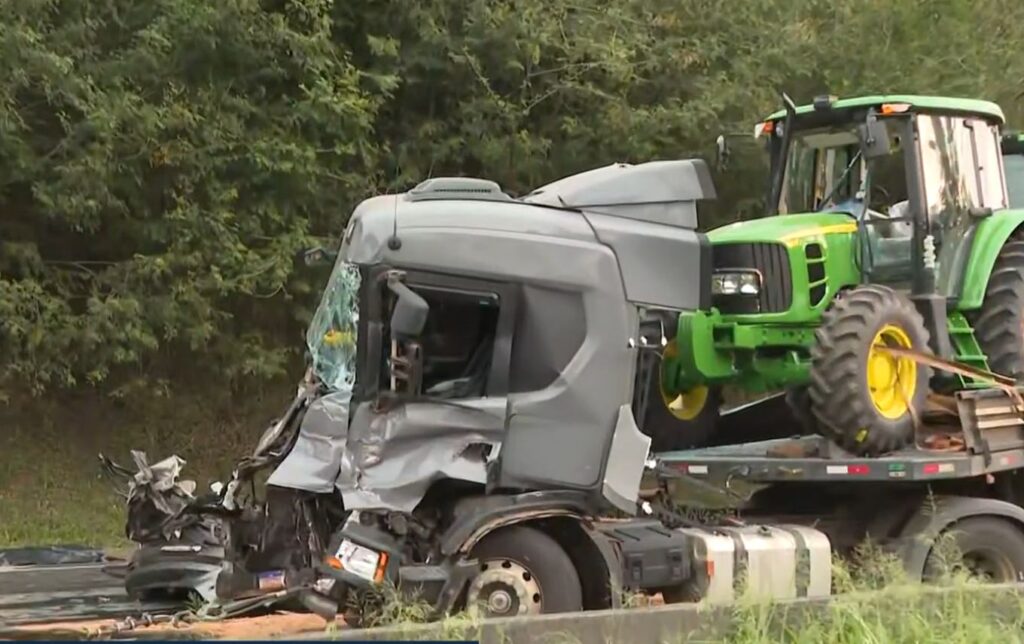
(923, 103)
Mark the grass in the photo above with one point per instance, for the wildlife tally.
(51, 489)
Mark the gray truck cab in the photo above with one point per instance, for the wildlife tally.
(479, 357)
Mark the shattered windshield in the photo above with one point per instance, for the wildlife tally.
(331, 336)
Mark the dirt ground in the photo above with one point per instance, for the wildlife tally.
(263, 626)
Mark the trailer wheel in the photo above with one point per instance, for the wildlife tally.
(863, 397)
(999, 325)
(523, 572)
(681, 421)
(988, 547)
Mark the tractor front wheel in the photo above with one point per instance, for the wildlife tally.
(862, 396)
(680, 421)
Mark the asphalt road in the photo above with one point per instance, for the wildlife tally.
(35, 594)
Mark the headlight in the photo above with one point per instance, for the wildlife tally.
(736, 283)
(360, 561)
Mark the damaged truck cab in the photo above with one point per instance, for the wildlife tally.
(479, 356)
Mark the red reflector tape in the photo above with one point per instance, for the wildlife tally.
(859, 469)
(848, 469)
(938, 468)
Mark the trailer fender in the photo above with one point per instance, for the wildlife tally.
(937, 515)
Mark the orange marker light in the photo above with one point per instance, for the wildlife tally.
(333, 562)
(894, 108)
(381, 567)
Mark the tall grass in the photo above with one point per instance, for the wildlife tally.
(875, 602)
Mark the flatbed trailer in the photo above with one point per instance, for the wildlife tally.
(963, 473)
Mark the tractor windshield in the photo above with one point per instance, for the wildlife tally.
(331, 336)
(825, 171)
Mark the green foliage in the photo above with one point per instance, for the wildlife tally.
(161, 162)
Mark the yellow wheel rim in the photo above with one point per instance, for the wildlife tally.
(891, 380)
(687, 405)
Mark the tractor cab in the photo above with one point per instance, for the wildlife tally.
(1013, 162)
(890, 162)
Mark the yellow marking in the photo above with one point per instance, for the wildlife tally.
(792, 239)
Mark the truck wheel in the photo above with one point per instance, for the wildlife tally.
(989, 547)
(999, 325)
(523, 572)
(862, 397)
(680, 421)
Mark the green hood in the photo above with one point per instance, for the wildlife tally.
(788, 229)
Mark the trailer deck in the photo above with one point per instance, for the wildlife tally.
(983, 432)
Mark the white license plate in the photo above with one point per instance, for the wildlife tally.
(359, 560)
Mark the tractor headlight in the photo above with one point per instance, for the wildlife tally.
(735, 283)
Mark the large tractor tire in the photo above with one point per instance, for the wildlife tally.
(864, 398)
(682, 421)
(999, 325)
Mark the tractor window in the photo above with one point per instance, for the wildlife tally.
(1014, 164)
(990, 176)
(956, 158)
(888, 219)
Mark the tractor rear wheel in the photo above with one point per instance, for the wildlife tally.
(863, 397)
(680, 421)
(999, 325)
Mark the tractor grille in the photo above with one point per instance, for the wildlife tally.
(772, 261)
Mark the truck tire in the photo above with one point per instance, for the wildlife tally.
(680, 422)
(989, 546)
(999, 324)
(523, 572)
(864, 399)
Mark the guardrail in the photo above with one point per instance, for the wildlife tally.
(683, 622)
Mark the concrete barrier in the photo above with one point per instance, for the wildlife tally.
(684, 622)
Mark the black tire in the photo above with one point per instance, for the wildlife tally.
(840, 395)
(799, 401)
(669, 433)
(989, 546)
(999, 325)
(545, 560)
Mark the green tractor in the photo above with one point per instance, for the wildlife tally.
(891, 238)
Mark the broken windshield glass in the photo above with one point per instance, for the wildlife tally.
(331, 336)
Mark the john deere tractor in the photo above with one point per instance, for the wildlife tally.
(890, 237)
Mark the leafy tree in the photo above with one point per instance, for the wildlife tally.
(161, 163)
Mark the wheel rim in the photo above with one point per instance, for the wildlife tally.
(504, 588)
(891, 380)
(989, 566)
(686, 405)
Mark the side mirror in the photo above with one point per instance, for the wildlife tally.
(410, 313)
(722, 152)
(874, 139)
(318, 256)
